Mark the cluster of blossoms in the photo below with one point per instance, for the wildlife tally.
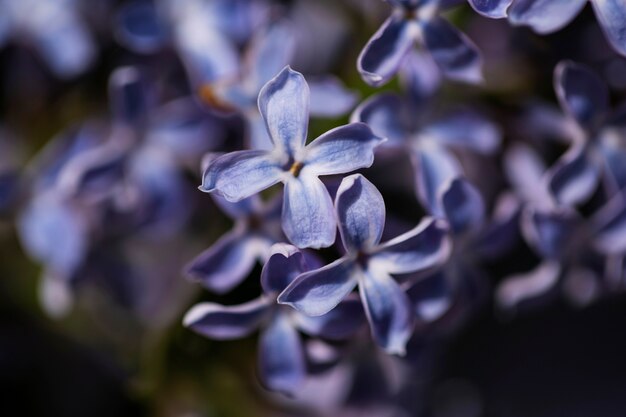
(109, 201)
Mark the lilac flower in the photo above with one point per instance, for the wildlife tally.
(307, 218)
(361, 213)
(427, 140)
(419, 21)
(54, 28)
(547, 16)
(225, 264)
(282, 362)
(491, 8)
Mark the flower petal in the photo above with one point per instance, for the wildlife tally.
(434, 167)
(284, 264)
(465, 129)
(612, 17)
(455, 54)
(220, 322)
(338, 324)
(241, 174)
(387, 115)
(269, 53)
(330, 97)
(388, 310)
(520, 287)
(284, 105)
(425, 246)
(420, 75)
(574, 177)
(524, 169)
(138, 28)
(609, 226)
(228, 262)
(382, 55)
(582, 94)
(550, 232)
(431, 297)
(128, 95)
(463, 205)
(360, 213)
(317, 292)
(342, 149)
(495, 9)
(282, 365)
(308, 215)
(544, 16)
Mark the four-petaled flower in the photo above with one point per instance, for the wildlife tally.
(307, 217)
(368, 264)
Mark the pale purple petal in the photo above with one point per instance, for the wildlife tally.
(420, 74)
(330, 97)
(495, 9)
(525, 170)
(425, 246)
(575, 176)
(284, 105)
(228, 262)
(465, 129)
(609, 226)
(431, 297)
(139, 28)
(544, 16)
(241, 174)
(317, 292)
(128, 95)
(340, 323)
(455, 54)
(308, 215)
(382, 55)
(434, 167)
(342, 149)
(388, 310)
(525, 286)
(282, 365)
(550, 232)
(239, 210)
(502, 232)
(269, 53)
(360, 213)
(285, 263)
(387, 115)
(612, 147)
(612, 18)
(582, 94)
(227, 322)
(463, 206)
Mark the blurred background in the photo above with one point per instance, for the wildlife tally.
(92, 254)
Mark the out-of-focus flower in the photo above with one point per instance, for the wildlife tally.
(281, 357)
(54, 28)
(419, 21)
(361, 213)
(307, 217)
(427, 140)
(547, 16)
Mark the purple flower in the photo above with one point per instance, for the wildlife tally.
(426, 140)
(419, 21)
(361, 213)
(307, 217)
(547, 16)
(281, 357)
(496, 9)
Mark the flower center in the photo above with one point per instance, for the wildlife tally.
(295, 169)
(209, 96)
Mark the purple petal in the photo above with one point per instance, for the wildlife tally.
(284, 105)
(282, 365)
(308, 214)
(338, 324)
(382, 55)
(342, 149)
(582, 94)
(495, 9)
(454, 53)
(575, 176)
(360, 213)
(434, 167)
(525, 170)
(269, 53)
(612, 17)
(420, 74)
(285, 263)
(228, 262)
(465, 129)
(139, 28)
(613, 150)
(431, 297)
(544, 16)
(425, 246)
(520, 287)
(330, 97)
(387, 115)
(128, 95)
(317, 292)
(609, 226)
(502, 232)
(550, 232)
(239, 210)
(220, 322)
(388, 310)
(241, 174)
(463, 206)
